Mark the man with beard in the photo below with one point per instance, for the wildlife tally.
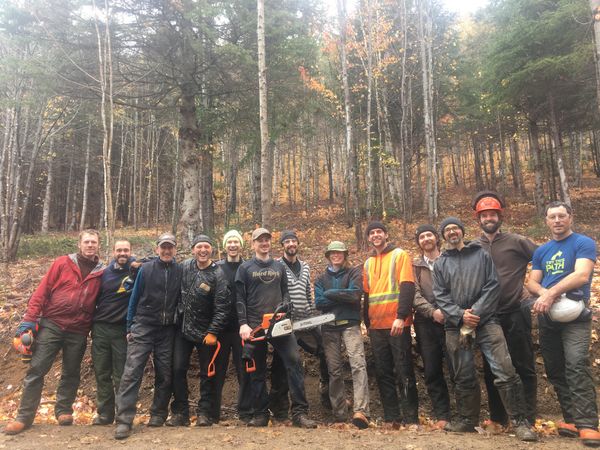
(109, 331)
(389, 287)
(466, 289)
(201, 316)
(261, 287)
(511, 254)
(429, 324)
(298, 279)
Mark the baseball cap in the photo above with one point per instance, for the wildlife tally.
(259, 232)
(166, 238)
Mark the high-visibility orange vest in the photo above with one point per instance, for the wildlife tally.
(382, 276)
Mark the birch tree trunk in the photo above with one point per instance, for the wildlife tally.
(562, 174)
(540, 198)
(49, 185)
(266, 178)
(350, 149)
(425, 37)
(86, 177)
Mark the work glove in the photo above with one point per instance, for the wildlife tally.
(466, 337)
(210, 339)
(24, 327)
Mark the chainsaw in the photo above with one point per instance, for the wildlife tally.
(277, 325)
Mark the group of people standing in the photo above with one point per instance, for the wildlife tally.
(469, 295)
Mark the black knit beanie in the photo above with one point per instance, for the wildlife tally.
(374, 225)
(451, 220)
(423, 228)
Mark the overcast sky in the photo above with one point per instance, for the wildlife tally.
(457, 6)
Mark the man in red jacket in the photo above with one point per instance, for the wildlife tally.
(59, 313)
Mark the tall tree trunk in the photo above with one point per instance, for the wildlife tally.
(350, 148)
(86, 177)
(564, 182)
(266, 178)
(425, 38)
(176, 188)
(534, 142)
(595, 7)
(49, 186)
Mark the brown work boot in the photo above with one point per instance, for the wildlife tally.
(567, 429)
(65, 420)
(359, 420)
(15, 427)
(589, 437)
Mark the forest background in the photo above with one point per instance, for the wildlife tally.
(136, 117)
(199, 115)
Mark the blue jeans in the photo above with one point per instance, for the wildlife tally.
(253, 390)
(565, 349)
(490, 339)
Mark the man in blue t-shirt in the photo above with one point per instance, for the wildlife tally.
(565, 266)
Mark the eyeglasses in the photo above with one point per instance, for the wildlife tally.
(449, 228)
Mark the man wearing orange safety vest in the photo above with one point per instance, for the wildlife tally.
(389, 287)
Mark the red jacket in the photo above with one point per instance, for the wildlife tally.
(64, 298)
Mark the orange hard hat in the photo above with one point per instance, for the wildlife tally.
(486, 203)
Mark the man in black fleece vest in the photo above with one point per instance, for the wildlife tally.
(261, 285)
(150, 328)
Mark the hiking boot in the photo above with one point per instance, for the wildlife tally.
(360, 421)
(178, 420)
(567, 429)
(123, 431)
(102, 420)
(203, 421)
(460, 426)
(524, 432)
(302, 421)
(15, 427)
(156, 421)
(259, 421)
(589, 437)
(65, 420)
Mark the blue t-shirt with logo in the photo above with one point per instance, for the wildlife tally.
(556, 259)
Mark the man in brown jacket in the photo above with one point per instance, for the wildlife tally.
(429, 324)
(511, 253)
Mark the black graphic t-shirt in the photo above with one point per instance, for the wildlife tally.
(260, 287)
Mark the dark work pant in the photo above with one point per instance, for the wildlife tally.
(109, 351)
(145, 340)
(490, 339)
(254, 389)
(231, 344)
(395, 375)
(208, 404)
(517, 332)
(565, 349)
(431, 342)
(311, 342)
(49, 341)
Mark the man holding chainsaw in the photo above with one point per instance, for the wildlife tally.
(466, 289)
(201, 315)
(261, 288)
(298, 278)
(59, 317)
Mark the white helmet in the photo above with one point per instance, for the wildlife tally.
(565, 310)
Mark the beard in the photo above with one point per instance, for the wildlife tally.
(491, 227)
(291, 251)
